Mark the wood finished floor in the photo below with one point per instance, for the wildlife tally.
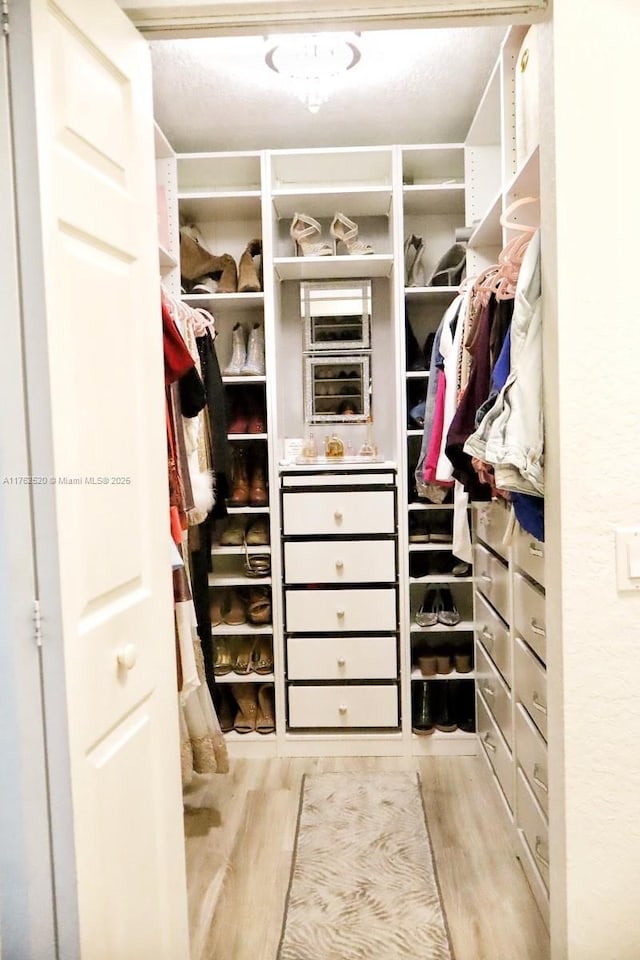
(240, 830)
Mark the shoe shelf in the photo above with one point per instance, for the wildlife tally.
(414, 432)
(240, 629)
(234, 737)
(364, 267)
(442, 546)
(237, 580)
(247, 509)
(416, 505)
(416, 674)
(435, 294)
(357, 201)
(417, 375)
(222, 550)
(245, 678)
(229, 301)
(440, 578)
(465, 626)
(205, 205)
(428, 199)
(245, 381)
(247, 436)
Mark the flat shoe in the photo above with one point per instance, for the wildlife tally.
(233, 533)
(448, 614)
(235, 614)
(427, 615)
(258, 533)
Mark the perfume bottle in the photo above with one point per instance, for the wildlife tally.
(309, 447)
(333, 446)
(369, 447)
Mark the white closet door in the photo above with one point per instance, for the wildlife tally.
(98, 446)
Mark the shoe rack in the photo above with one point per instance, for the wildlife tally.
(390, 194)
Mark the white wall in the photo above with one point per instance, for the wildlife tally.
(593, 342)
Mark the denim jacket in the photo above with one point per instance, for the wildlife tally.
(511, 435)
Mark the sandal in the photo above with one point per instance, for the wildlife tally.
(223, 661)
(263, 662)
(246, 697)
(265, 722)
(256, 564)
(244, 656)
(235, 615)
(259, 610)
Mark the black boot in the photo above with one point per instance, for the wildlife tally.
(464, 704)
(446, 712)
(422, 694)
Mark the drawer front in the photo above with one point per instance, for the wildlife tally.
(491, 523)
(340, 561)
(492, 579)
(528, 554)
(494, 635)
(531, 821)
(529, 615)
(496, 749)
(342, 658)
(340, 511)
(532, 757)
(345, 706)
(331, 611)
(495, 694)
(530, 685)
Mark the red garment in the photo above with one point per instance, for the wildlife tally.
(177, 359)
(435, 440)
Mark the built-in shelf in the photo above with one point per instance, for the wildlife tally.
(430, 547)
(232, 509)
(488, 232)
(334, 268)
(430, 293)
(237, 580)
(247, 436)
(425, 199)
(244, 381)
(417, 374)
(167, 260)
(525, 183)
(440, 578)
(430, 506)
(321, 202)
(246, 678)
(228, 302)
(223, 551)
(454, 675)
(465, 626)
(234, 737)
(239, 629)
(411, 432)
(204, 205)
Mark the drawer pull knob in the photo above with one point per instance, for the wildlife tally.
(535, 551)
(340, 613)
(536, 779)
(339, 564)
(487, 636)
(488, 691)
(127, 656)
(487, 742)
(338, 516)
(538, 704)
(538, 629)
(342, 708)
(543, 860)
(486, 578)
(342, 662)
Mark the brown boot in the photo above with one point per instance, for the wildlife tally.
(248, 280)
(240, 491)
(196, 261)
(258, 488)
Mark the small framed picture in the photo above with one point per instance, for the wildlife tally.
(337, 389)
(336, 315)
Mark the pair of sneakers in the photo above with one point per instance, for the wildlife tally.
(438, 606)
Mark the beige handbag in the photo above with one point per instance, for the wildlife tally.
(527, 97)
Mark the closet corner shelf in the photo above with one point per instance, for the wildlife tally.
(488, 232)
(167, 260)
(433, 198)
(237, 580)
(247, 678)
(439, 677)
(227, 301)
(334, 268)
(465, 626)
(247, 436)
(430, 293)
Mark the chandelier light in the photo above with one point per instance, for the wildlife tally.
(312, 63)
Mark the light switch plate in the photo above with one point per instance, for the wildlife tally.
(628, 558)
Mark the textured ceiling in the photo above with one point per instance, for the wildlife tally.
(414, 86)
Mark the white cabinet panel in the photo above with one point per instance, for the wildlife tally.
(529, 615)
(340, 561)
(342, 658)
(310, 611)
(343, 706)
(338, 512)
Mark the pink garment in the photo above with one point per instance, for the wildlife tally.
(435, 440)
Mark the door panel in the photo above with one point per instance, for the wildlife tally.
(101, 512)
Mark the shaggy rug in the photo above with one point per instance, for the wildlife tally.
(363, 883)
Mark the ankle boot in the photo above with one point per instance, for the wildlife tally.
(422, 714)
(258, 489)
(246, 696)
(254, 364)
(465, 704)
(248, 279)
(240, 491)
(196, 261)
(238, 352)
(446, 709)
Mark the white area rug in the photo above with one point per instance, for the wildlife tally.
(363, 883)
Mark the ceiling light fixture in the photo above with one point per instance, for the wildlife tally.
(312, 63)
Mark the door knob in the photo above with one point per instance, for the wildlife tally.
(340, 613)
(127, 656)
(341, 662)
(338, 516)
(339, 564)
(342, 708)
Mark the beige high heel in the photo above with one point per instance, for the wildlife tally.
(303, 228)
(345, 231)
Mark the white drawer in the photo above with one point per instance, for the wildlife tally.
(528, 554)
(531, 821)
(529, 621)
(530, 685)
(343, 706)
(491, 523)
(340, 511)
(492, 579)
(496, 749)
(331, 611)
(532, 756)
(495, 694)
(340, 561)
(494, 635)
(342, 658)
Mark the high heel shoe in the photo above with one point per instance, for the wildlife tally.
(450, 267)
(248, 279)
(343, 230)
(246, 696)
(265, 721)
(416, 275)
(305, 233)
